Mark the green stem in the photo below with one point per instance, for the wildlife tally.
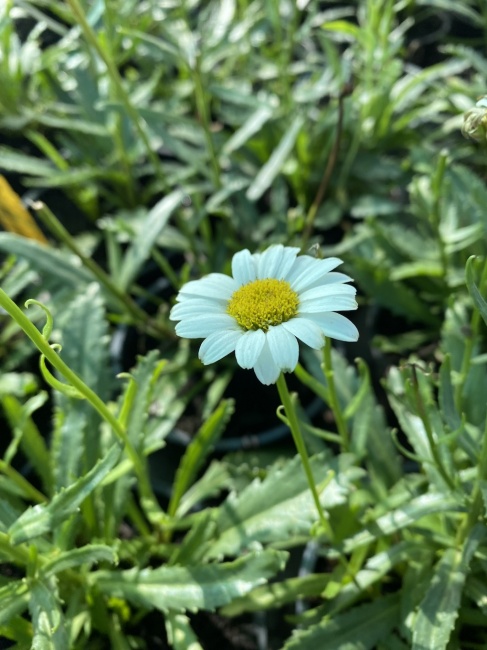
(469, 343)
(436, 185)
(475, 511)
(334, 402)
(29, 490)
(301, 448)
(59, 231)
(116, 79)
(423, 414)
(203, 112)
(72, 378)
(17, 554)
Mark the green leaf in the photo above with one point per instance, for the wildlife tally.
(402, 517)
(273, 166)
(438, 610)
(280, 506)
(42, 518)
(136, 413)
(76, 176)
(85, 556)
(344, 28)
(12, 161)
(358, 629)
(33, 444)
(147, 236)
(70, 124)
(473, 289)
(84, 337)
(179, 632)
(198, 450)
(190, 588)
(14, 599)
(58, 266)
(278, 594)
(47, 617)
(251, 126)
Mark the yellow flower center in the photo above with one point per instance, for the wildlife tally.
(262, 303)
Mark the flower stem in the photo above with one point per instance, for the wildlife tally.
(334, 402)
(301, 448)
(55, 360)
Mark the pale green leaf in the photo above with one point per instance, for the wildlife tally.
(84, 556)
(140, 249)
(273, 166)
(438, 610)
(13, 161)
(42, 518)
(402, 517)
(280, 506)
(84, 337)
(14, 599)
(190, 588)
(198, 450)
(251, 126)
(473, 289)
(357, 629)
(47, 617)
(58, 266)
(179, 632)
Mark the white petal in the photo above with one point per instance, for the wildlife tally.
(324, 291)
(196, 307)
(276, 261)
(218, 345)
(243, 267)
(266, 369)
(335, 326)
(203, 326)
(284, 347)
(307, 331)
(332, 303)
(215, 285)
(249, 348)
(307, 273)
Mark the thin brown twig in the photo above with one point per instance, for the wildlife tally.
(330, 165)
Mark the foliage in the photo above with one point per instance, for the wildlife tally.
(151, 143)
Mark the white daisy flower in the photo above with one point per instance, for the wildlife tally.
(273, 299)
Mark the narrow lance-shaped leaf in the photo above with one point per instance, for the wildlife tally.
(140, 249)
(179, 632)
(85, 556)
(47, 617)
(55, 264)
(198, 450)
(403, 516)
(14, 599)
(42, 518)
(274, 165)
(281, 505)
(190, 588)
(473, 289)
(438, 611)
(358, 629)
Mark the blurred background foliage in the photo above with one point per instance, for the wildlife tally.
(142, 143)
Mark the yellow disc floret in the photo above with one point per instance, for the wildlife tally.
(262, 303)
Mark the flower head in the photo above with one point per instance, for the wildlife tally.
(475, 121)
(272, 299)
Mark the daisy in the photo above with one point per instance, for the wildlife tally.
(272, 299)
